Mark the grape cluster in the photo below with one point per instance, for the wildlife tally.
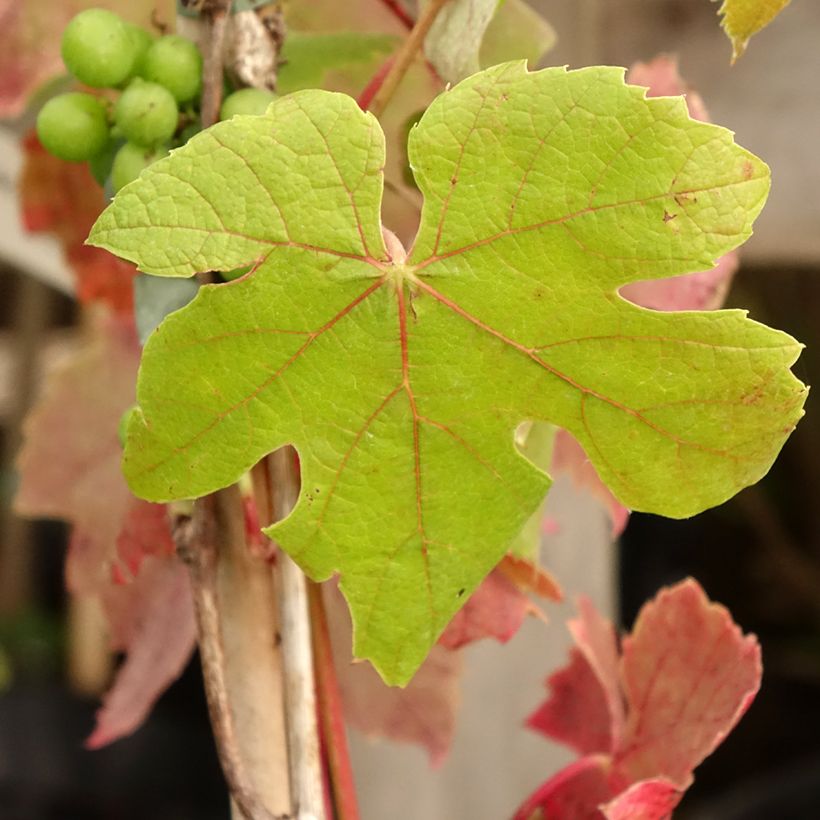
(158, 81)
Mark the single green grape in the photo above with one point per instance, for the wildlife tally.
(146, 113)
(73, 127)
(246, 101)
(142, 41)
(176, 64)
(98, 49)
(131, 160)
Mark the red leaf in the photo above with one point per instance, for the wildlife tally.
(424, 712)
(686, 676)
(596, 639)
(145, 531)
(495, 610)
(62, 198)
(689, 675)
(69, 465)
(576, 712)
(645, 800)
(152, 620)
(575, 793)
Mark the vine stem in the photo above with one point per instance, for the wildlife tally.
(331, 714)
(304, 754)
(405, 55)
(216, 15)
(197, 540)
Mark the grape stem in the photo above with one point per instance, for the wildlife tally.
(199, 540)
(405, 55)
(216, 21)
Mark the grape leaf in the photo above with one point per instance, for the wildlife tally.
(399, 380)
(308, 57)
(422, 713)
(686, 676)
(743, 18)
(152, 621)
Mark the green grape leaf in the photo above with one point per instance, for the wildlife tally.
(743, 18)
(401, 381)
(308, 57)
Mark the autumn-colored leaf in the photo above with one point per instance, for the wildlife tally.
(144, 531)
(576, 713)
(645, 800)
(63, 199)
(495, 610)
(69, 465)
(685, 678)
(710, 675)
(152, 621)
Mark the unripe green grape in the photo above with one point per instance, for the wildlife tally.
(246, 101)
(176, 64)
(142, 41)
(73, 126)
(190, 130)
(97, 48)
(146, 113)
(131, 160)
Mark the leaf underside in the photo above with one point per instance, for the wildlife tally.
(741, 19)
(401, 382)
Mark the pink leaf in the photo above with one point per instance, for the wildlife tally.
(645, 800)
(69, 465)
(575, 793)
(495, 610)
(145, 531)
(595, 637)
(424, 712)
(686, 676)
(152, 620)
(569, 457)
(689, 675)
(576, 712)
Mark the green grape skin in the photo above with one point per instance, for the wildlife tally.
(175, 63)
(246, 101)
(131, 160)
(73, 127)
(142, 41)
(97, 48)
(146, 113)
